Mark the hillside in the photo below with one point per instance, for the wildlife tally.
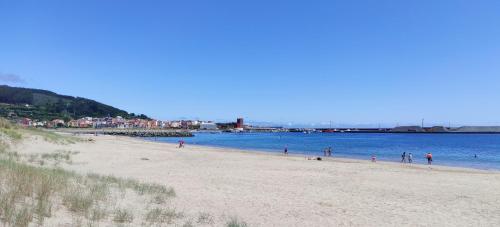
(47, 105)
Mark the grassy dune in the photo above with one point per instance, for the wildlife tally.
(31, 194)
(34, 190)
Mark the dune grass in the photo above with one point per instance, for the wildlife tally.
(9, 130)
(158, 216)
(15, 133)
(31, 193)
(52, 137)
(205, 218)
(26, 191)
(28, 194)
(235, 222)
(123, 216)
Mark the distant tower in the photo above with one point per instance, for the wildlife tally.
(239, 123)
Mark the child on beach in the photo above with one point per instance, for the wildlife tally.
(410, 158)
(374, 158)
(286, 150)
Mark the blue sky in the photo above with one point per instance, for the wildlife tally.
(351, 62)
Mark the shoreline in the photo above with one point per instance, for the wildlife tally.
(229, 150)
(331, 158)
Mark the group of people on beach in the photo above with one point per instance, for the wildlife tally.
(326, 151)
(405, 157)
(409, 158)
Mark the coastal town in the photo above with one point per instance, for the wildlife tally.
(236, 126)
(122, 123)
(116, 122)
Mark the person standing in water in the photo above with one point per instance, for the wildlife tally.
(410, 158)
(403, 157)
(286, 150)
(329, 151)
(429, 158)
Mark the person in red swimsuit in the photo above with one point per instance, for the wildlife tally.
(429, 158)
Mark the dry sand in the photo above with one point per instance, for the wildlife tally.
(274, 190)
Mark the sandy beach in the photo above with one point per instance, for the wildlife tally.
(265, 189)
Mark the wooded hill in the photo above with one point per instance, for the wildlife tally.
(46, 105)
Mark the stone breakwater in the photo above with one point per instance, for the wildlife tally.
(132, 132)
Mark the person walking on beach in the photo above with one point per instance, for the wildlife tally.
(286, 150)
(329, 151)
(410, 158)
(403, 157)
(429, 158)
(325, 151)
(181, 143)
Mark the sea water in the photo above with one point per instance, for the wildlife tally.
(447, 149)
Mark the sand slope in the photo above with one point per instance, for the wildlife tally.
(273, 190)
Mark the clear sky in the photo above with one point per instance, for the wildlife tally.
(351, 62)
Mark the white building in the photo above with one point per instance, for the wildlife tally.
(175, 124)
(195, 123)
(208, 126)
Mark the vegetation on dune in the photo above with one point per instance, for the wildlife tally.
(12, 134)
(50, 136)
(9, 130)
(55, 158)
(123, 216)
(30, 194)
(162, 215)
(35, 191)
(205, 218)
(235, 222)
(26, 192)
(15, 133)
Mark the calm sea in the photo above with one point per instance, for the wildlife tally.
(447, 149)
